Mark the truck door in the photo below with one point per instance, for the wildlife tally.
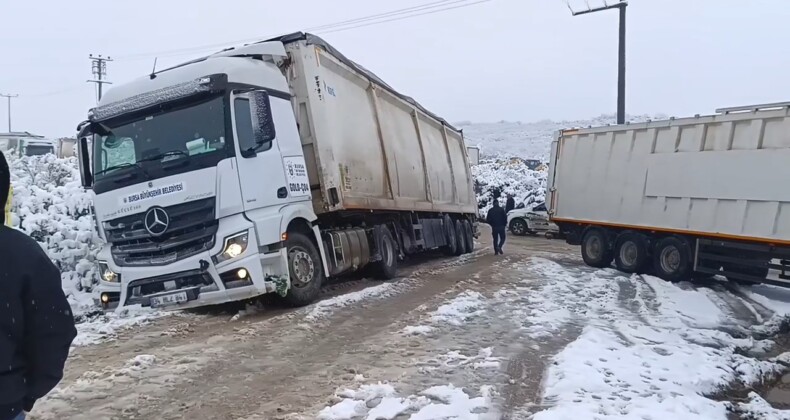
(260, 164)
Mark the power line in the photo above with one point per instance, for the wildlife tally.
(413, 11)
(404, 17)
(431, 5)
(9, 96)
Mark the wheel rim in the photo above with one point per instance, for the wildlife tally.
(594, 247)
(302, 267)
(670, 259)
(629, 253)
(519, 227)
(386, 250)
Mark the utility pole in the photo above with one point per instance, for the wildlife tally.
(99, 70)
(9, 96)
(621, 53)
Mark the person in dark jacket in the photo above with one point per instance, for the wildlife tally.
(510, 204)
(36, 324)
(497, 219)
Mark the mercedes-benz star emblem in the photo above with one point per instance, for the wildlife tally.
(156, 221)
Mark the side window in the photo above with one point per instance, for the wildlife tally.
(244, 129)
(541, 207)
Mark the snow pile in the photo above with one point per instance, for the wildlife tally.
(381, 402)
(50, 205)
(657, 355)
(759, 409)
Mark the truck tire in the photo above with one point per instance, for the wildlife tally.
(630, 252)
(449, 235)
(519, 227)
(305, 270)
(672, 259)
(460, 235)
(387, 268)
(596, 251)
(470, 236)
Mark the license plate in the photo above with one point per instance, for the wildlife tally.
(170, 299)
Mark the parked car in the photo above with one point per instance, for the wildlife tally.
(532, 221)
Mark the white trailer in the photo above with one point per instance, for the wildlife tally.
(474, 154)
(267, 168)
(681, 197)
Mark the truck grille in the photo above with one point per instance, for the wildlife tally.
(192, 230)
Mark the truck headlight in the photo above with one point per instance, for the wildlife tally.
(107, 274)
(235, 245)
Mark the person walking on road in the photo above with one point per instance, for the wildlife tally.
(497, 219)
(510, 204)
(36, 324)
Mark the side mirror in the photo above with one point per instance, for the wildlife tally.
(261, 113)
(83, 157)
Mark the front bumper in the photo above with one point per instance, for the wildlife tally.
(204, 282)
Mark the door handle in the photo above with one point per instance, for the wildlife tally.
(282, 192)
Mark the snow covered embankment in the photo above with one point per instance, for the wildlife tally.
(50, 205)
(508, 176)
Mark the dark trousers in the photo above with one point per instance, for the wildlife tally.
(499, 238)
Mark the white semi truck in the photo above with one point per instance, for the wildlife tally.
(267, 168)
(680, 198)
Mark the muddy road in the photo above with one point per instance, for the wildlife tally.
(285, 363)
(473, 333)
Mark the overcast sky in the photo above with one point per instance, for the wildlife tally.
(512, 60)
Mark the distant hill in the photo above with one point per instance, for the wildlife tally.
(528, 140)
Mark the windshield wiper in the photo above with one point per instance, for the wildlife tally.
(161, 156)
(125, 165)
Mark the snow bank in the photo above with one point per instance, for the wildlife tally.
(657, 355)
(50, 205)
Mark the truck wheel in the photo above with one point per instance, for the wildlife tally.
(630, 252)
(306, 271)
(387, 268)
(672, 259)
(460, 235)
(596, 251)
(519, 227)
(470, 237)
(449, 234)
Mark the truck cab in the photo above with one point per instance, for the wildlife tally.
(196, 172)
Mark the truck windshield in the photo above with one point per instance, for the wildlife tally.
(181, 133)
(35, 150)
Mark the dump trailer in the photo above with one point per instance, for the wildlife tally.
(680, 198)
(267, 168)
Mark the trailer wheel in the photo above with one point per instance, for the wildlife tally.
(460, 236)
(672, 259)
(519, 227)
(631, 252)
(596, 251)
(387, 268)
(450, 236)
(470, 236)
(305, 269)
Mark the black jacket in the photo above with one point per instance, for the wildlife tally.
(510, 204)
(36, 324)
(497, 217)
